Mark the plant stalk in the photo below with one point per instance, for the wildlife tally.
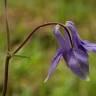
(7, 60)
(8, 56)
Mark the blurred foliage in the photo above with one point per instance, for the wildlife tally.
(26, 75)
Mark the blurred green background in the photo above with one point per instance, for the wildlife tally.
(26, 75)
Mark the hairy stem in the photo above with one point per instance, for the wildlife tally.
(6, 75)
(30, 35)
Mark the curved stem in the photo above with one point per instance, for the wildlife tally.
(29, 36)
(6, 76)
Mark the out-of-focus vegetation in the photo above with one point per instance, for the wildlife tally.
(26, 75)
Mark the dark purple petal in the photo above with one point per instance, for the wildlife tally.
(89, 46)
(74, 32)
(82, 57)
(59, 36)
(55, 62)
(77, 61)
(67, 41)
(63, 41)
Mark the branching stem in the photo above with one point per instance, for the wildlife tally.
(7, 59)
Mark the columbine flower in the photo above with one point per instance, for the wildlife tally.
(76, 59)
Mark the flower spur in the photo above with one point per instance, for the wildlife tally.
(86, 45)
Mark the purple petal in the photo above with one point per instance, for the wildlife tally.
(59, 36)
(67, 41)
(82, 57)
(74, 32)
(89, 46)
(63, 41)
(55, 62)
(77, 61)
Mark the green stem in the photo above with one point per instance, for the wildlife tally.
(6, 75)
(7, 60)
(7, 25)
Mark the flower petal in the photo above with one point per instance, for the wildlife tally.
(78, 62)
(55, 62)
(89, 46)
(75, 35)
(63, 41)
(67, 41)
(59, 36)
(82, 57)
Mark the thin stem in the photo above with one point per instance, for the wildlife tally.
(6, 76)
(7, 26)
(29, 36)
(8, 51)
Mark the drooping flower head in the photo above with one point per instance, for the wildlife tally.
(76, 57)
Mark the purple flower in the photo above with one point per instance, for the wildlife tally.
(76, 57)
